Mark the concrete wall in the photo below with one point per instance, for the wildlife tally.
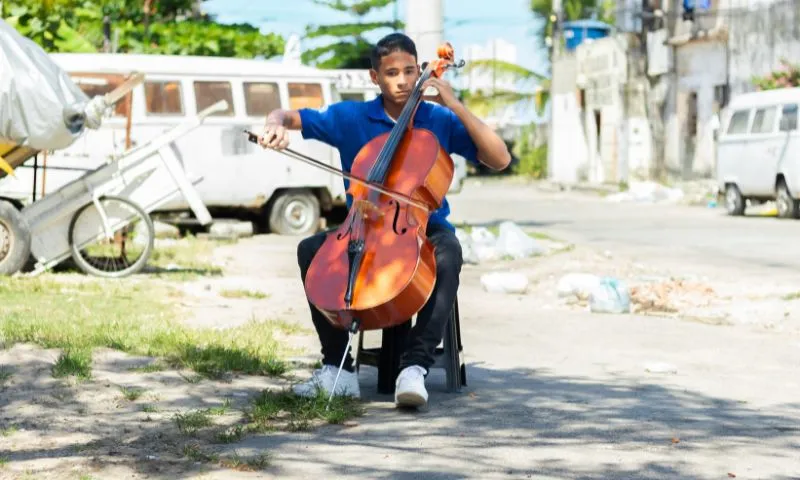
(567, 153)
(701, 67)
(759, 37)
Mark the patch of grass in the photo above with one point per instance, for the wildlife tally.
(149, 408)
(195, 452)
(243, 293)
(190, 422)
(7, 432)
(290, 412)
(236, 462)
(149, 368)
(791, 296)
(131, 394)
(5, 374)
(190, 256)
(77, 362)
(136, 318)
(232, 434)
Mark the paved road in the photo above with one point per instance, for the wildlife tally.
(565, 395)
(689, 234)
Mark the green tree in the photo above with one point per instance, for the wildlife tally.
(350, 48)
(144, 26)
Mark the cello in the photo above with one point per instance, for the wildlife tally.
(378, 269)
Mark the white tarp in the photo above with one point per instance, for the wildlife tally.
(40, 106)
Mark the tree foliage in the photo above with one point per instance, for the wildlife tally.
(533, 89)
(350, 48)
(142, 26)
(787, 76)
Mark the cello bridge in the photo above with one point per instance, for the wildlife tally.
(367, 209)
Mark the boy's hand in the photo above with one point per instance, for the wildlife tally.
(446, 95)
(275, 136)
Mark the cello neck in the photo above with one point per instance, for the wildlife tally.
(381, 167)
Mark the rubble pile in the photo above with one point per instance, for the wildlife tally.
(671, 296)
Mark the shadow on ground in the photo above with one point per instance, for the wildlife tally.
(507, 423)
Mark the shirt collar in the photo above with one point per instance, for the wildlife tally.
(375, 111)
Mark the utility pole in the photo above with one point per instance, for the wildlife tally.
(555, 40)
(671, 139)
(424, 24)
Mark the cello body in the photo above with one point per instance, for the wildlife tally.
(398, 269)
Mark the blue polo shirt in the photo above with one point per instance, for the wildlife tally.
(349, 125)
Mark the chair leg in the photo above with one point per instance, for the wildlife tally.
(452, 349)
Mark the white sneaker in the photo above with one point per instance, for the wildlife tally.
(322, 380)
(410, 387)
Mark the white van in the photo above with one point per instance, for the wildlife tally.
(278, 192)
(758, 151)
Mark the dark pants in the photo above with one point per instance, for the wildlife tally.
(431, 321)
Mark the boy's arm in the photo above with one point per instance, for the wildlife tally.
(324, 124)
(492, 150)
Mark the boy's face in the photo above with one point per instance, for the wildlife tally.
(396, 76)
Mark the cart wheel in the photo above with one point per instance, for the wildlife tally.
(15, 240)
(132, 233)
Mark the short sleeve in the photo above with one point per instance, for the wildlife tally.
(460, 141)
(323, 124)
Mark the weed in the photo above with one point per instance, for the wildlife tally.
(77, 362)
(242, 293)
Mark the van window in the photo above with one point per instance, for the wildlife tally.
(93, 84)
(305, 95)
(261, 98)
(358, 97)
(738, 122)
(764, 120)
(209, 93)
(789, 120)
(163, 98)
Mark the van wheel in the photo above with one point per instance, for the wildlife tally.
(294, 212)
(15, 240)
(787, 206)
(734, 202)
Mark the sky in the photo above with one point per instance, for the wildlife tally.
(465, 21)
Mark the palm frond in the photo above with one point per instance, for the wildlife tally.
(503, 68)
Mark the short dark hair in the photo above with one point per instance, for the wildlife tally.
(389, 44)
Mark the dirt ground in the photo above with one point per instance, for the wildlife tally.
(64, 428)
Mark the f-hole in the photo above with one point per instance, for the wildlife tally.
(341, 235)
(396, 217)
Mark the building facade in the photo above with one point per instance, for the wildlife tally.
(717, 51)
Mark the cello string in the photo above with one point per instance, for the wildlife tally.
(381, 167)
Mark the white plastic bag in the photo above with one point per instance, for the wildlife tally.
(515, 243)
(504, 282)
(610, 296)
(577, 284)
(40, 106)
(468, 253)
(484, 244)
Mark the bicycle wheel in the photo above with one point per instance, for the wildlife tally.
(131, 231)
